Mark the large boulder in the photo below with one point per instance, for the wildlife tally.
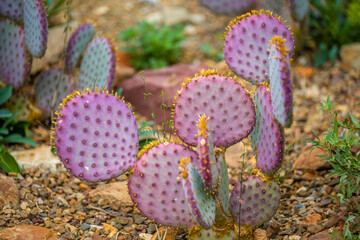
(9, 192)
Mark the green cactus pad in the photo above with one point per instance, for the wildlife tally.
(12, 9)
(78, 42)
(210, 234)
(51, 88)
(96, 135)
(259, 201)
(15, 62)
(223, 191)
(36, 27)
(221, 98)
(98, 65)
(155, 186)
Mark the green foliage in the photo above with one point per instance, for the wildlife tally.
(342, 143)
(331, 28)
(153, 46)
(353, 13)
(54, 7)
(211, 52)
(146, 134)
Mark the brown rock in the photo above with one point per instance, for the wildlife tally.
(320, 236)
(9, 192)
(312, 219)
(350, 54)
(26, 232)
(260, 234)
(114, 194)
(307, 161)
(314, 228)
(167, 80)
(171, 233)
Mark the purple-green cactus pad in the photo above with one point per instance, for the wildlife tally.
(227, 6)
(259, 201)
(200, 201)
(221, 98)
(78, 42)
(155, 187)
(280, 82)
(246, 44)
(52, 87)
(36, 27)
(223, 191)
(15, 62)
(210, 234)
(96, 136)
(12, 9)
(298, 8)
(267, 138)
(98, 64)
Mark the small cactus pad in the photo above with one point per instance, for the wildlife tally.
(36, 27)
(227, 6)
(209, 168)
(298, 9)
(96, 135)
(210, 234)
(98, 65)
(15, 62)
(155, 188)
(223, 191)
(259, 201)
(12, 9)
(267, 139)
(77, 45)
(280, 82)
(52, 87)
(201, 203)
(247, 40)
(223, 99)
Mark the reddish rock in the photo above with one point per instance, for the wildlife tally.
(167, 80)
(260, 234)
(26, 232)
(320, 236)
(312, 219)
(312, 162)
(9, 192)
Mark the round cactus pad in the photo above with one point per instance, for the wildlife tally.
(227, 6)
(78, 42)
(259, 201)
(280, 82)
(15, 62)
(155, 186)
(246, 44)
(12, 9)
(36, 27)
(201, 203)
(210, 234)
(221, 98)
(98, 65)
(96, 135)
(52, 87)
(267, 138)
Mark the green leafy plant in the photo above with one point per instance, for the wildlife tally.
(146, 134)
(330, 28)
(55, 7)
(10, 132)
(153, 46)
(342, 143)
(211, 52)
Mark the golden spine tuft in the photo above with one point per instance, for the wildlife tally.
(183, 167)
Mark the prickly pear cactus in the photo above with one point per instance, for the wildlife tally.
(259, 201)
(298, 9)
(267, 139)
(155, 187)
(227, 6)
(98, 65)
(209, 234)
(201, 203)
(280, 82)
(12, 9)
(51, 88)
(77, 44)
(36, 27)
(221, 98)
(223, 191)
(96, 136)
(15, 62)
(246, 44)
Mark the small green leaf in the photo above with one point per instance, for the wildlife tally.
(17, 138)
(5, 94)
(4, 113)
(8, 162)
(119, 91)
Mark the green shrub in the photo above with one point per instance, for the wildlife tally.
(153, 46)
(342, 144)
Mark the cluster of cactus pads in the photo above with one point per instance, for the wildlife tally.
(185, 183)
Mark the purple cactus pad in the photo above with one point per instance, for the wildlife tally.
(36, 27)
(280, 82)
(227, 6)
(13, 9)
(246, 44)
(15, 62)
(259, 201)
(51, 88)
(96, 135)
(78, 42)
(98, 65)
(155, 187)
(221, 98)
(267, 138)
